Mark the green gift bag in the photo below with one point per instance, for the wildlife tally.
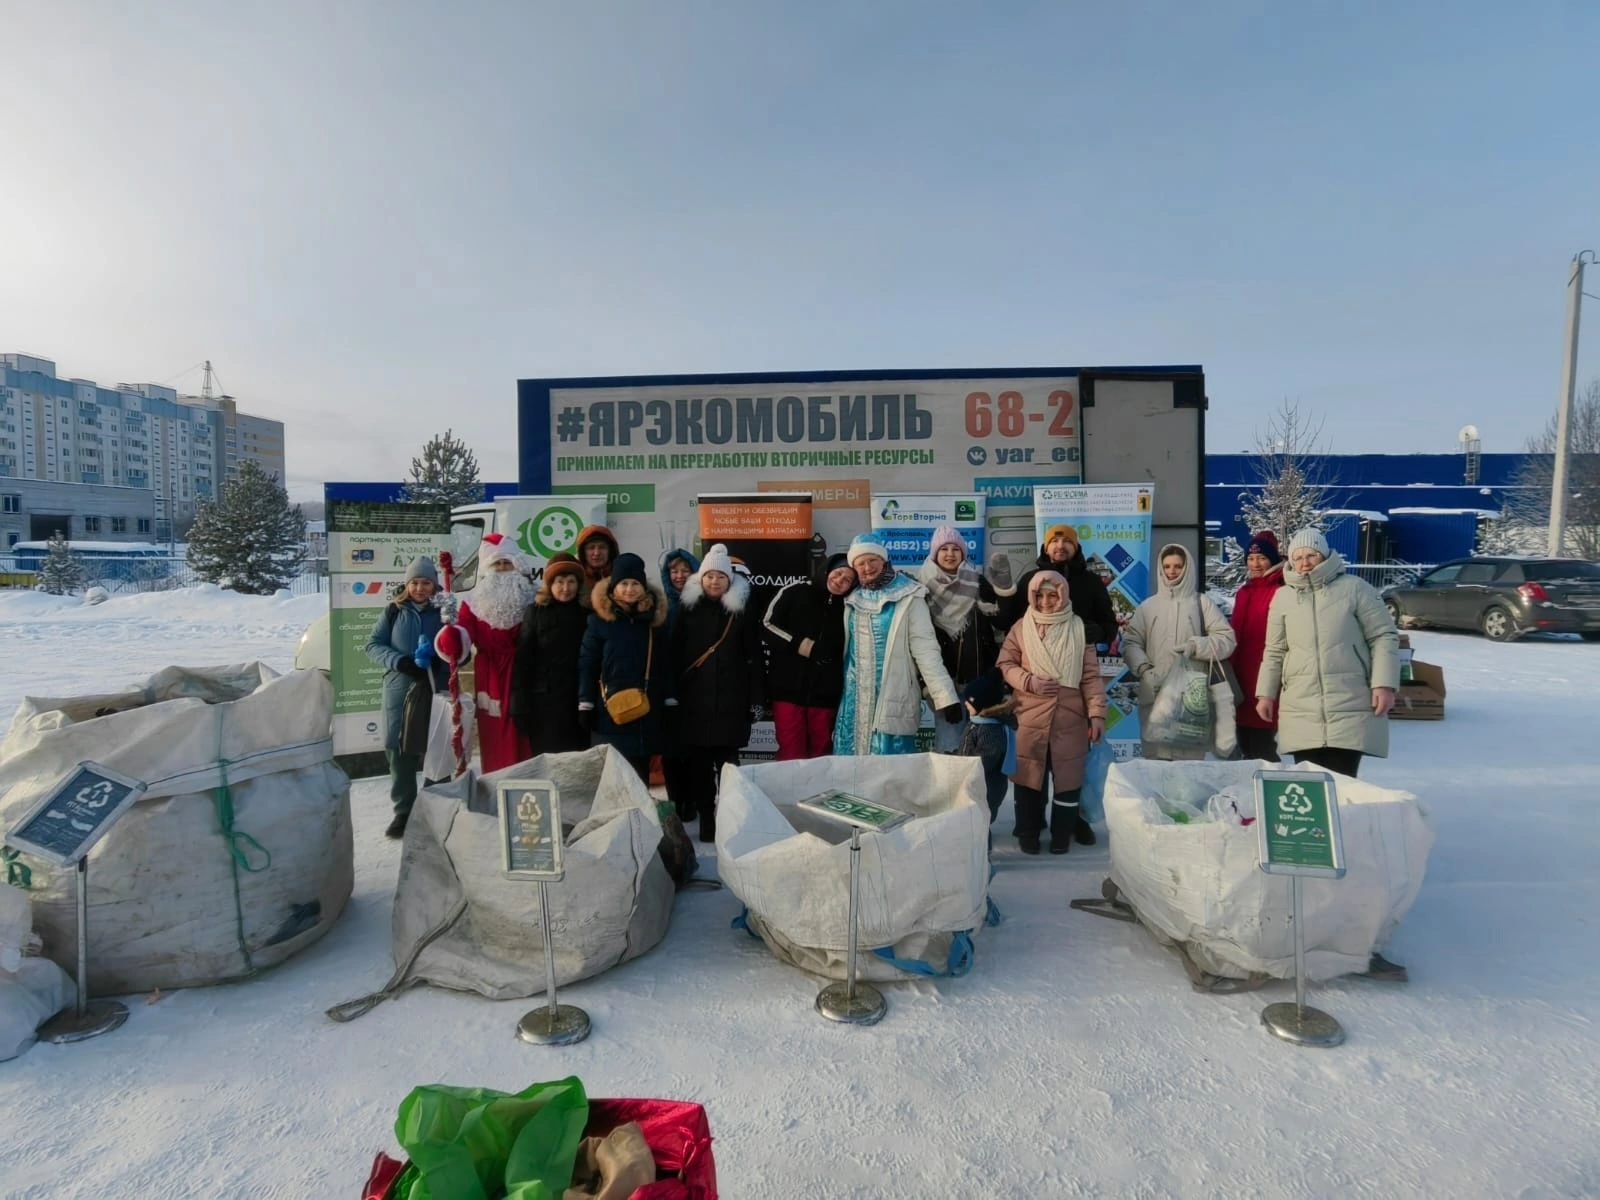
(479, 1144)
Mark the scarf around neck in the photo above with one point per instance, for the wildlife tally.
(950, 597)
(1052, 645)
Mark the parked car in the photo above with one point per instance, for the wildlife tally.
(1503, 597)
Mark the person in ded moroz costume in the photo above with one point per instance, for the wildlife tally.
(491, 616)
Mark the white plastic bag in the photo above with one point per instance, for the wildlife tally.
(440, 760)
(1181, 714)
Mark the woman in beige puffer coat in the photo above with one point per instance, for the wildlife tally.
(1175, 620)
(1332, 662)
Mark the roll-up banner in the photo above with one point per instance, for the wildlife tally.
(770, 533)
(1113, 526)
(907, 523)
(370, 545)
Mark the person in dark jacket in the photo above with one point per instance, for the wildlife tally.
(544, 675)
(1090, 599)
(717, 650)
(625, 646)
(804, 630)
(966, 613)
(676, 566)
(402, 644)
(596, 550)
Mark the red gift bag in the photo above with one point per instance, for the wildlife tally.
(677, 1132)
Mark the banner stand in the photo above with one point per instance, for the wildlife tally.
(555, 1024)
(1297, 832)
(851, 1002)
(530, 847)
(89, 1018)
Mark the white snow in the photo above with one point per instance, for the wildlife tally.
(1073, 1060)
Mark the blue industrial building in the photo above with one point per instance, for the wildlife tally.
(1415, 508)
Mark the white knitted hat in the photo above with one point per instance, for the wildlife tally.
(717, 559)
(1309, 539)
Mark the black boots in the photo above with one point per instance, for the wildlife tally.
(708, 823)
(1064, 822)
(1028, 843)
(397, 827)
(1084, 833)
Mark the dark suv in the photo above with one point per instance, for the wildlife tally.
(1504, 597)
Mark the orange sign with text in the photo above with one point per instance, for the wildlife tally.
(783, 516)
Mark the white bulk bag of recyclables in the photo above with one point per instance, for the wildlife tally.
(459, 923)
(924, 884)
(1199, 884)
(239, 853)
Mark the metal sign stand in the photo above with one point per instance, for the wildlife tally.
(89, 1018)
(60, 829)
(1295, 1022)
(530, 843)
(850, 1002)
(555, 1024)
(1297, 823)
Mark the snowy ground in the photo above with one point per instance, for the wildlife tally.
(1073, 1061)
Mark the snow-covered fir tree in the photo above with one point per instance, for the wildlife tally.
(60, 572)
(250, 539)
(446, 473)
(1290, 495)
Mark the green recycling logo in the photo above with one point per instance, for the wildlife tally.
(549, 531)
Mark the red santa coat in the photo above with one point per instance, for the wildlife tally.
(499, 743)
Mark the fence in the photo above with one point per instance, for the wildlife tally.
(128, 575)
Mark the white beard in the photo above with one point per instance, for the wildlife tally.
(500, 598)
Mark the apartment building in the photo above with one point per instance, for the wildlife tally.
(136, 436)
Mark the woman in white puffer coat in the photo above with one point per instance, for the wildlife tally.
(1332, 662)
(1176, 620)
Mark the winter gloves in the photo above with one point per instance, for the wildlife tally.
(953, 713)
(999, 570)
(409, 668)
(424, 653)
(588, 716)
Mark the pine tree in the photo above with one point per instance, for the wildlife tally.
(447, 472)
(250, 539)
(60, 572)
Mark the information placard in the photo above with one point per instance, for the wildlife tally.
(854, 810)
(1297, 826)
(75, 815)
(530, 830)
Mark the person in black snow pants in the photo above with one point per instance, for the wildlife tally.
(625, 646)
(718, 653)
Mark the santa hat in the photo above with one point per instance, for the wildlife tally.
(866, 544)
(1265, 544)
(495, 548)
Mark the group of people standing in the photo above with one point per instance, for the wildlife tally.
(679, 666)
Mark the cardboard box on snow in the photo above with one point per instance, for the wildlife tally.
(1423, 698)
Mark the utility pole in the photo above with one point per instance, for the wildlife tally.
(1569, 383)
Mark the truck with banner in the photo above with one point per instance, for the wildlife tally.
(651, 445)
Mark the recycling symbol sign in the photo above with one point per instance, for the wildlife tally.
(1295, 800)
(549, 531)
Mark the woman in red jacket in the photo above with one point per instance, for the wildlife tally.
(1257, 738)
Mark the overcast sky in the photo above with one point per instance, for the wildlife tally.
(374, 217)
